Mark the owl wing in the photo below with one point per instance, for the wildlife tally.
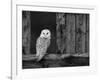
(41, 47)
(48, 43)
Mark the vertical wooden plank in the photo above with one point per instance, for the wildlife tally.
(68, 35)
(87, 35)
(79, 25)
(70, 27)
(83, 28)
(77, 35)
(60, 28)
(26, 32)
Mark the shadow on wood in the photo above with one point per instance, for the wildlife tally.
(53, 56)
(55, 60)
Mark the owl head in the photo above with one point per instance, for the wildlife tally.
(45, 33)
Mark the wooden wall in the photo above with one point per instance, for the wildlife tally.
(73, 33)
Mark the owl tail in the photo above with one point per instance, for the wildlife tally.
(39, 57)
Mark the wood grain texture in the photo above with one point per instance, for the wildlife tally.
(87, 34)
(70, 33)
(61, 31)
(80, 33)
(73, 33)
(26, 32)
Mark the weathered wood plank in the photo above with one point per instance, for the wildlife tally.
(81, 33)
(68, 35)
(52, 56)
(71, 32)
(79, 25)
(26, 32)
(87, 34)
(61, 29)
(83, 28)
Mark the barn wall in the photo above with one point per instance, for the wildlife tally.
(73, 33)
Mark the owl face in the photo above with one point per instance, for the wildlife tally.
(45, 34)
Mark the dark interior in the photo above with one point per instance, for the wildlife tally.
(40, 21)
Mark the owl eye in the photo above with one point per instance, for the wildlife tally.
(47, 33)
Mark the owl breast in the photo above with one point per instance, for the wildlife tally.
(42, 42)
(41, 47)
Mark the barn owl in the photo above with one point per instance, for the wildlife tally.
(42, 43)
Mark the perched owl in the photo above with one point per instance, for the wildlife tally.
(42, 43)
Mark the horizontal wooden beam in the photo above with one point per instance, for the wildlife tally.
(53, 56)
